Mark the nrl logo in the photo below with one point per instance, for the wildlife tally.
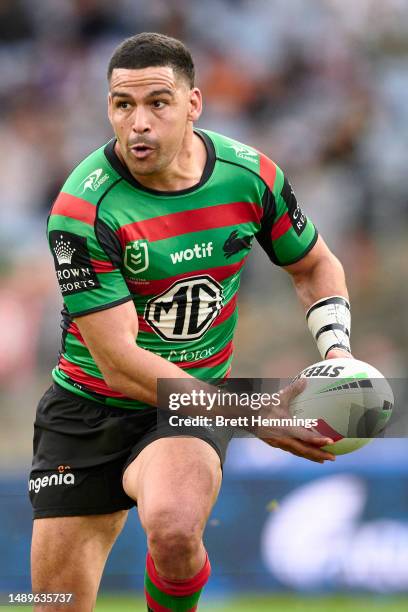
(244, 152)
(94, 180)
(136, 256)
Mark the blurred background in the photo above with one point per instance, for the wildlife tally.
(321, 86)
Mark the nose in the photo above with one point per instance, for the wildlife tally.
(141, 123)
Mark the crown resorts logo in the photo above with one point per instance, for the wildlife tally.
(63, 251)
(73, 265)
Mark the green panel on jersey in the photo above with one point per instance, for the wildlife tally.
(68, 224)
(83, 357)
(293, 242)
(91, 178)
(112, 291)
(277, 188)
(290, 249)
(72, 344)
(217, 372)
(234, 152)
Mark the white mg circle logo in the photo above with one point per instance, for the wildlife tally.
(185, 310)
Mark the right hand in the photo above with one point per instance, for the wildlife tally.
(299, 441)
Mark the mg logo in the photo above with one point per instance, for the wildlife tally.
(136, 256)
(186, 310)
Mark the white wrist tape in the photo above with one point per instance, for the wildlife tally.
(329, 321)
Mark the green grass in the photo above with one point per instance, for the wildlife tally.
(286, 603)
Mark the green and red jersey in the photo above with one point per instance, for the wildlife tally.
(178, 255)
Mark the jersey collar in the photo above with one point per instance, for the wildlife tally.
(123, 171)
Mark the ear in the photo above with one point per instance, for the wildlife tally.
(195, 105)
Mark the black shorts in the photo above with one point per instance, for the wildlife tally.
(82, 447)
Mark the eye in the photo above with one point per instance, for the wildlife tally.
(158, 104)
(123, 105)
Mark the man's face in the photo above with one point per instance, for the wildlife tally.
(150, 109)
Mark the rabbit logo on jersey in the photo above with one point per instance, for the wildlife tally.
(186, 310)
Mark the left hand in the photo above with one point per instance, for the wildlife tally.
(337, 352)
(299, 441)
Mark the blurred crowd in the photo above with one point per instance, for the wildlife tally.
(320, 86)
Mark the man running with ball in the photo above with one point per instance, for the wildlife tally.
(149, 236)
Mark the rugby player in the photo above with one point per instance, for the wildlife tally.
(149, 235)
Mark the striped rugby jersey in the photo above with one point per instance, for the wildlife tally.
(178, 255)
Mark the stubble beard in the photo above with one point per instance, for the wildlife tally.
(144, 168)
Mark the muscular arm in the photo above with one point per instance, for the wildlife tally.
(110, 336)
(318, 275)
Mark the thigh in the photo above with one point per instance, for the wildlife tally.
(68, 555)
(177, 478)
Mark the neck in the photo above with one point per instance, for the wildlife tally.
(183, 172)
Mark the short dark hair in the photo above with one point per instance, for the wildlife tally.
(153, 49)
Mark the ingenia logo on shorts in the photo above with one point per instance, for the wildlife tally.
(51, 481)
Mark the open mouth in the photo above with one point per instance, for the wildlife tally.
(141, 151)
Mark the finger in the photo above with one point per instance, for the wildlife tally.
(320, 441)
(309, 451)
(309, 436)
(311, 454)
(317, 451)
(288, 393)
(301, 433)
(296, 452)
(301, 449)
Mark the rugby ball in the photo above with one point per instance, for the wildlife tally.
(350, 401)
